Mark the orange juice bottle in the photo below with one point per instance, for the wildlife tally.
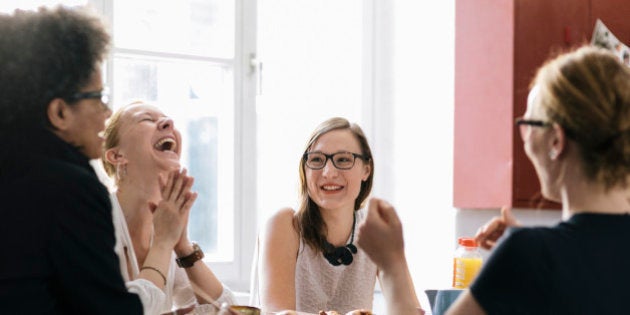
(466, 263)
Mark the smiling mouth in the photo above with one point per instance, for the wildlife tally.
(166, 144)
(331, 187)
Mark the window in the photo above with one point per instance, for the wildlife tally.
(186, 59)
(198, 95)
(167, 55)
(376, 62)
(312, 71)
(192, 60)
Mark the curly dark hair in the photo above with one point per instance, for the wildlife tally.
(45, 54)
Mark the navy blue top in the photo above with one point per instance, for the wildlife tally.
(580, 266)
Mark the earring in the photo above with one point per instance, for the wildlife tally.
(553, 154)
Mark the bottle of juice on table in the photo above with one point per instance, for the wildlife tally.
(466, 263)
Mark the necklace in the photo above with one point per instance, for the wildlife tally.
(342, 254)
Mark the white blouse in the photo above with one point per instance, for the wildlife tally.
(178, 292)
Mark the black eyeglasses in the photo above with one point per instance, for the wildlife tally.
(341, 160)
(522, 123)
(102, 96)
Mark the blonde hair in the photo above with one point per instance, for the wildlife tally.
(587, 92)
(112, 136)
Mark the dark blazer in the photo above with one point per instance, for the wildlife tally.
(57, 232)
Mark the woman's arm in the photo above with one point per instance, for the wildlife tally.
(205, 284)
(381, 237)
(278, 255)
(465, 305)
(169, 218)
(397, 287)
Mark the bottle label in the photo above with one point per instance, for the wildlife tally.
(464, 271)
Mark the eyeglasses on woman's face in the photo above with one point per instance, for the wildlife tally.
(101, 95)
(341, 160)
(523, 124)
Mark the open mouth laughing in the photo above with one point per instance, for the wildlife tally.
(166, 144)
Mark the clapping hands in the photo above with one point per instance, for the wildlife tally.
(170, 215)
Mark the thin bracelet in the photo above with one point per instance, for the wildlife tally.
(156, 270)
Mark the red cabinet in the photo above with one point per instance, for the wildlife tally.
(615, 14)
(498, 47)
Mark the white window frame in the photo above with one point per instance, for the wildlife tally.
(376, 116)
(378, 91)
(235, 274)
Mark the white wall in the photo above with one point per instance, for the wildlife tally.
(468, 220)
(423, 143)
(423, 136)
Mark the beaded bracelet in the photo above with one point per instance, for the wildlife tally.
(156, 270)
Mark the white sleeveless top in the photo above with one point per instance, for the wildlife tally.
(320, 286)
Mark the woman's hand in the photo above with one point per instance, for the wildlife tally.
(170, 216)
(489, 233)
(380, 235)
(183, 247)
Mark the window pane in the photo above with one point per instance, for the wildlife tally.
(312, 71)
(197, 27)
(198, 95)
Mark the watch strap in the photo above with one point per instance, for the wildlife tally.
(189, 261)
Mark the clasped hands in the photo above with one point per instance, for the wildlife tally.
(170, 215)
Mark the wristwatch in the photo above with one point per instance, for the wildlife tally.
(189, 261)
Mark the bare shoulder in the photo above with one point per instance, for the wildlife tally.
(281, 226)
(282, 218)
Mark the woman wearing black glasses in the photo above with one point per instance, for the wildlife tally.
(576, 132)
(56, 226)
(309, 260)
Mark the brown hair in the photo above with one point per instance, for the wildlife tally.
(587, 92)
(309, 222)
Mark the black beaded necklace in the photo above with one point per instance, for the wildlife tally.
(342, 254)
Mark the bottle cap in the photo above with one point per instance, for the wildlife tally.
(467, 241)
